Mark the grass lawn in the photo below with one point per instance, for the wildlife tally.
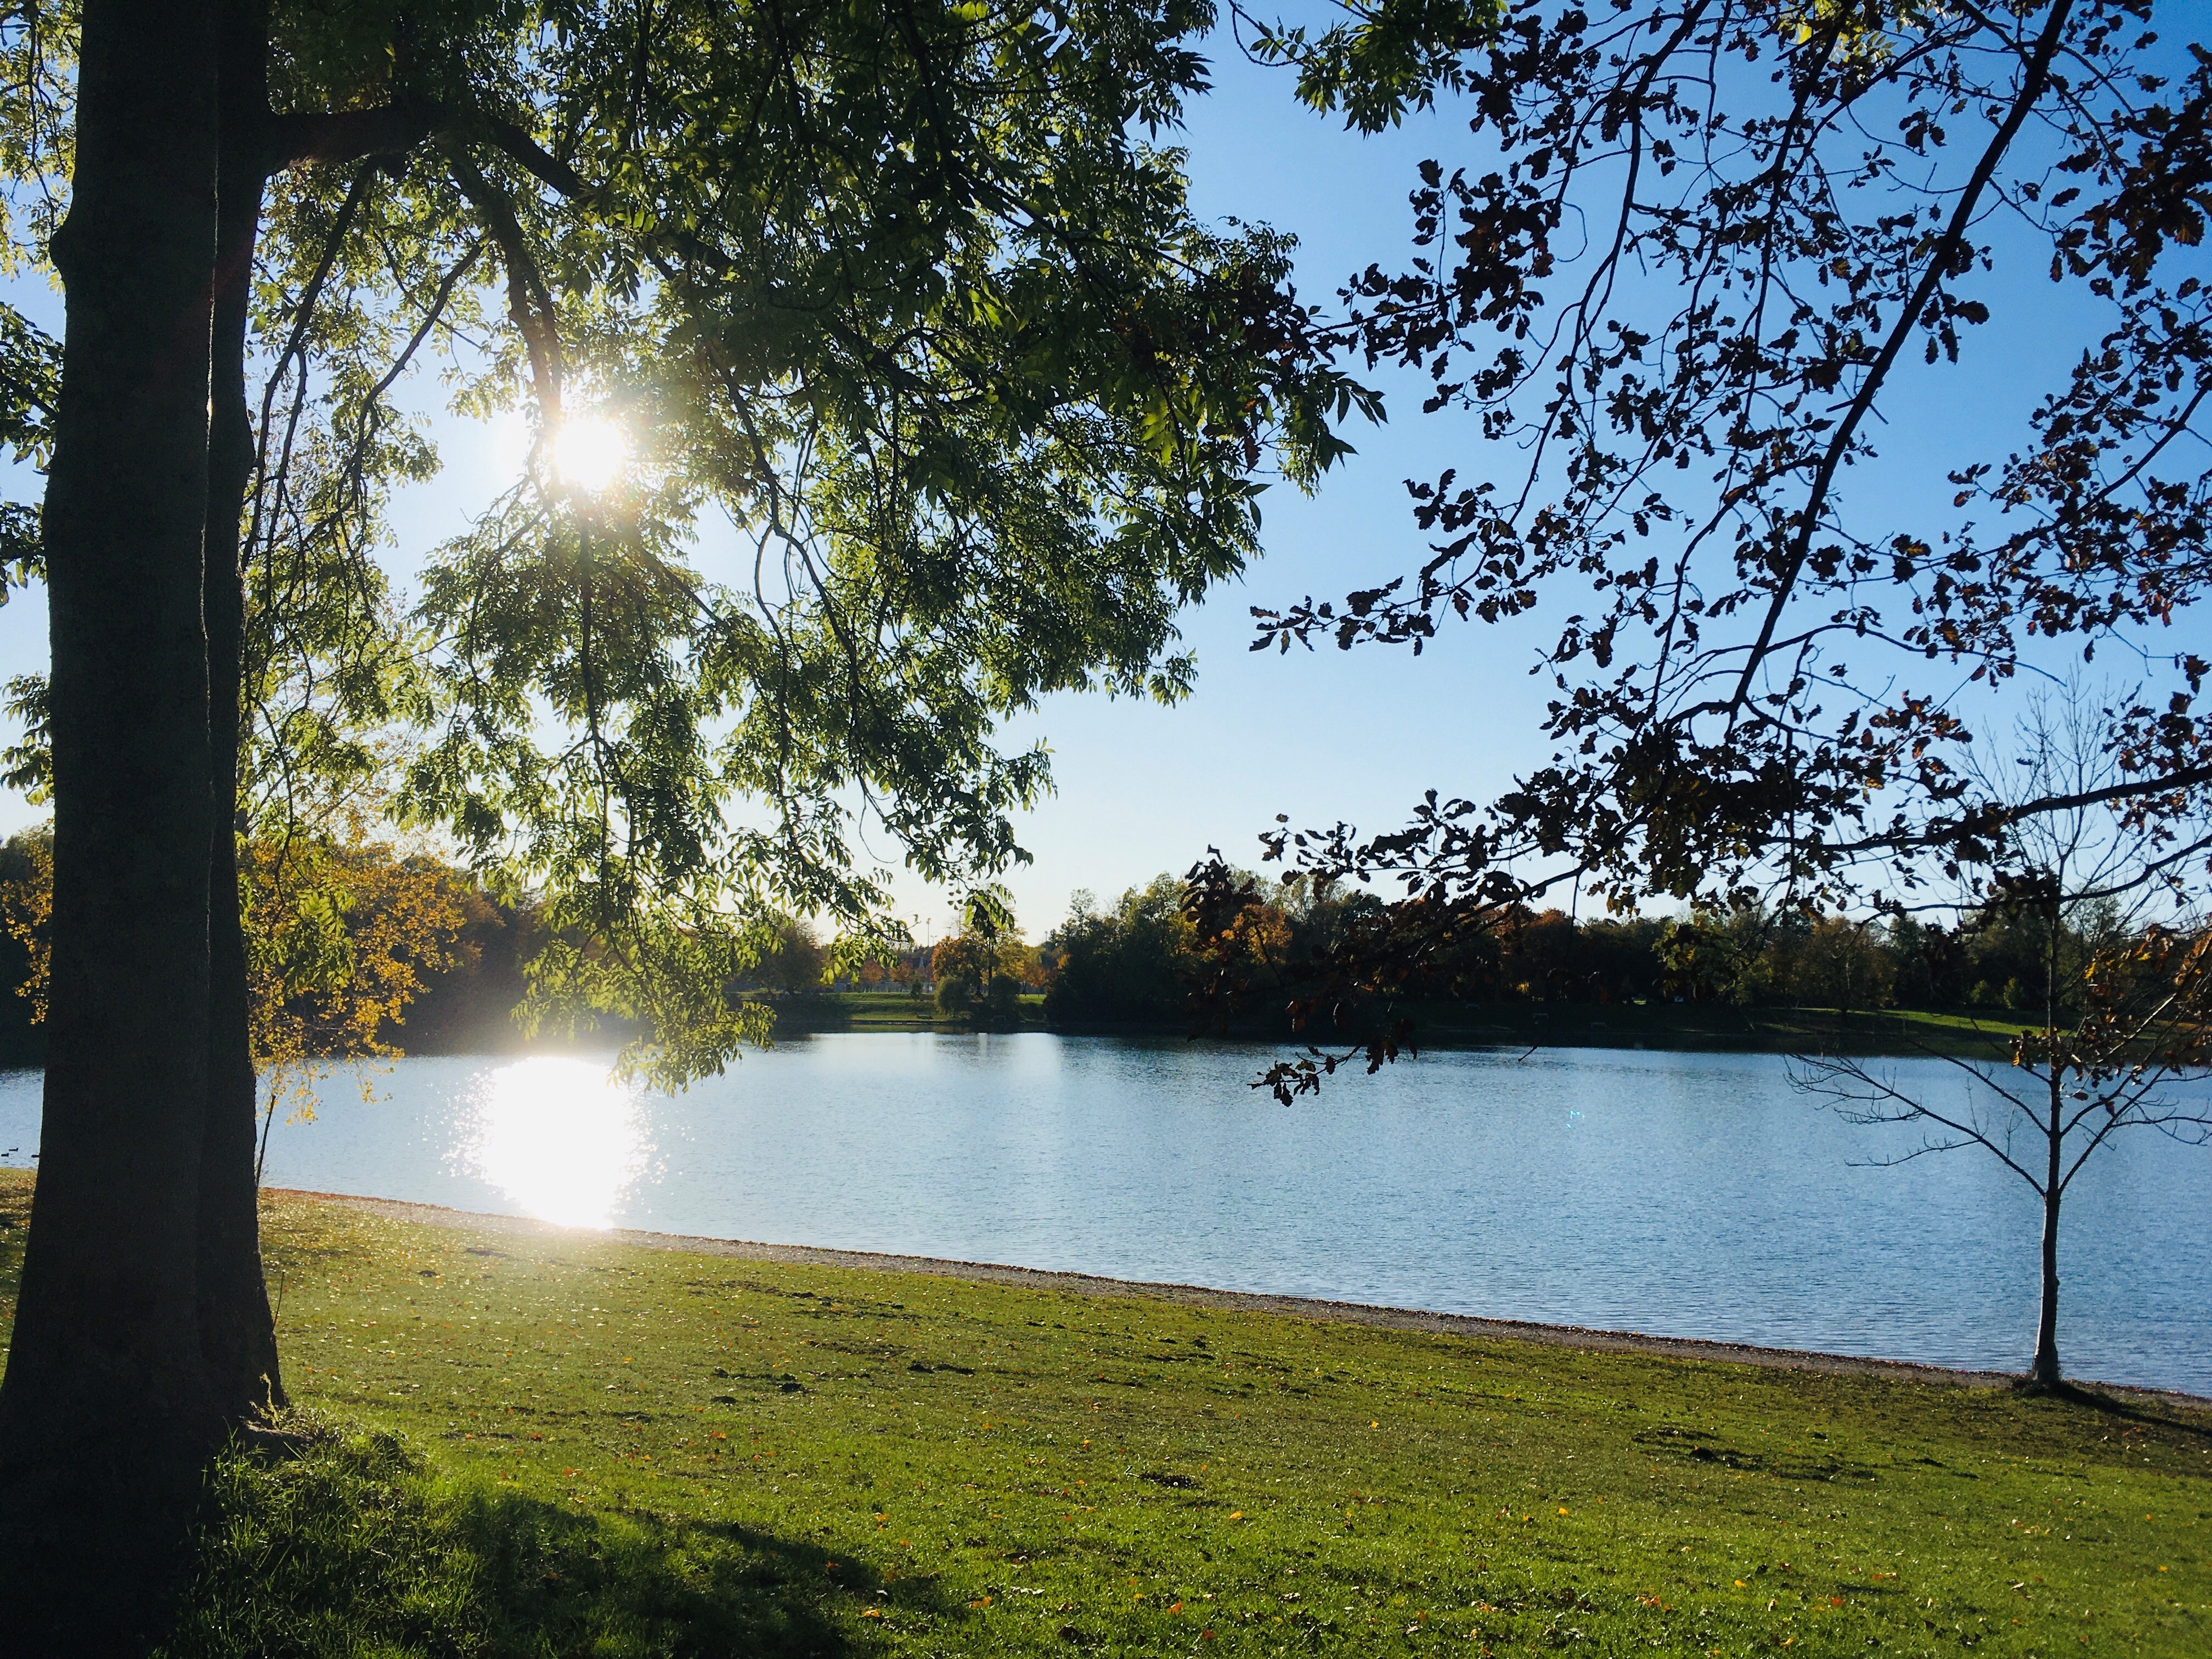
(1985, 1035)
(884, 1010)
(1982, 1036)
(553, 1445)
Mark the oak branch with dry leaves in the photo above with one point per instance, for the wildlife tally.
(1690, 269)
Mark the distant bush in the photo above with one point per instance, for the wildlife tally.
(981, 976)
(1126, 965)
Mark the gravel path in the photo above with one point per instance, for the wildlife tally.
(1348, 1313)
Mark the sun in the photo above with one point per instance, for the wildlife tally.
(589, 452)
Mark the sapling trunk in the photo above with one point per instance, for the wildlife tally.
(2044, 1373)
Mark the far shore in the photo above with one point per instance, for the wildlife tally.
(1982, 1033)
(1683, 1028)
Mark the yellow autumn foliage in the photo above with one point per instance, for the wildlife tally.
(341, 936)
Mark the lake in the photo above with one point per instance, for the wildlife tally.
(1685, 1195)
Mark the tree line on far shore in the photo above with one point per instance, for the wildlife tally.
(358, 950)
(1132, 962)
(354, 950)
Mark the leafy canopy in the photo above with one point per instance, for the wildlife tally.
(935, 397)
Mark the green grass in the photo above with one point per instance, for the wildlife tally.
(1983, 1034)
(1657, 1024)
(881, 1011)
(559, 1445)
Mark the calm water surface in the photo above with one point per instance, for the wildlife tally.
(1687, 1194)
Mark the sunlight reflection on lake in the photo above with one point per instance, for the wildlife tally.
(561, 1137)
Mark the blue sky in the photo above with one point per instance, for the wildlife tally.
(1334, 736)
(1319, 737)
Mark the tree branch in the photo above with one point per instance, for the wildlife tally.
(349, 135)
(354, 135)
(1949, 251)
(528, 302)
(532, 157)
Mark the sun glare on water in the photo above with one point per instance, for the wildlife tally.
(560, 1137)
(589, 453)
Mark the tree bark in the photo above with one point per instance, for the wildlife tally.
(238, 1338)
(2044, 1373)
(106, 1417)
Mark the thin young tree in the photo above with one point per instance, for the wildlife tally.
(2123, 1020)
(2146, 1011)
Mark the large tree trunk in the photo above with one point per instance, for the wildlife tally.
(106, 1416)
(236, 1333)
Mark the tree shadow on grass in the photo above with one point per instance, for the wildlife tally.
(2145, 1411)
(356, 1548)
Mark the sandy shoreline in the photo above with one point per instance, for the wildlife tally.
(1348, 1313)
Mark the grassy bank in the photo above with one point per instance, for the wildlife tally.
(1629, 1025)
(560, 1445)
(1721, 1025)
